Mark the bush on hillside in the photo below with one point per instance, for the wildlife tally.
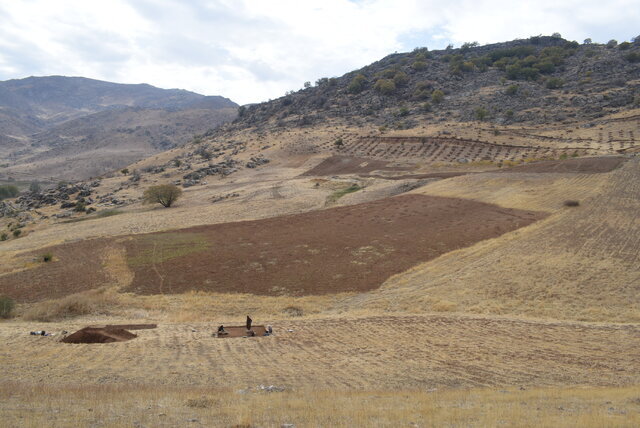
(357, 84)
(6, 307)
(385, 86)
(8, 191)
(437, 96)
(555, 83)
(163, 194)
(633, 57)
(481, 113)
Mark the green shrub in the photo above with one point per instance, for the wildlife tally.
(624, 46)
(47, 257)
(385, 86)
(124, 171)
(419, 65)
(357, 84)
(34, 187)
(17, 232)
(403, 112)
(509, 114)
(555, 83)
(481, 113)
(80, 207)
(338, 143)
(6, 306)
(163, 194)
(4, 236)
(400, 79)
(633, 57)
(612, 43)
(8, 191)
(512, 89)
(437, 96)
(426, 106)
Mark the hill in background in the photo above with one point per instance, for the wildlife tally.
(59, 127)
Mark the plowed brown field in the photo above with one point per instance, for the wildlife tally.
(350, 248)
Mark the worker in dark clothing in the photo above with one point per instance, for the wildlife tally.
(221, 331)
(249, 321)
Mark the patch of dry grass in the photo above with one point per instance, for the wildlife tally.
(126, 406)
(101, 301)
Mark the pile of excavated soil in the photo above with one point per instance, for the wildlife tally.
(578, 165)
(99, 335)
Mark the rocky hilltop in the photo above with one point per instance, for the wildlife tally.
(532, 81)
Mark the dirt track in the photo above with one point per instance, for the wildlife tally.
(592, 165)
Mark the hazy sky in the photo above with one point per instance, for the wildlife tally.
(253, 50)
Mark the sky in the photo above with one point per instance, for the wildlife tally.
(255, 50)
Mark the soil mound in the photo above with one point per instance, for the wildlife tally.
(99, 335)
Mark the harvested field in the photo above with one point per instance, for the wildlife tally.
(350, 248)
(580, 165)
(99, 335)
(382, 352)
(580, 263)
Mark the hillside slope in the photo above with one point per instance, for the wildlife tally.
(47, 122)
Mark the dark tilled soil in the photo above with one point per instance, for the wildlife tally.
(344, 249)
(353, 248)
(578, 165)
(75, 267)
(337, 165)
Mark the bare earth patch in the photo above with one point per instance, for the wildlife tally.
(350, 248)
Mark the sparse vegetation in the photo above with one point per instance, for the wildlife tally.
(357, 84)
(163, 194)
(6, 307)
(481, 113)
(555, 83)
(47, 257)
(97, 301)
(571, 203)
(437, 96)
(385, 86)
(8, 191)
(512, 89)
(345, 191)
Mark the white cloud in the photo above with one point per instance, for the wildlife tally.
(252, 50)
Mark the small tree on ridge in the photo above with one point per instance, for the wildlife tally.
(163, 194)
